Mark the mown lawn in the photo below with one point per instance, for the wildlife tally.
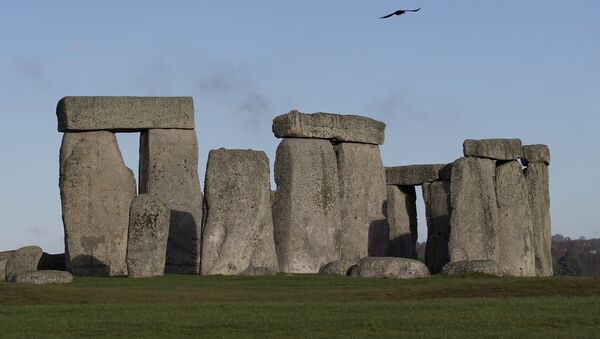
(307, 306)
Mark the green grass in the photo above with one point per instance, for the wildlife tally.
(309, 306)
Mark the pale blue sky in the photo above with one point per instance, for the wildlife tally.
(454, 70)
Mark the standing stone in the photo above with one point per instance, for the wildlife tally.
(4, 256)
(96, 190)
(514, 229)
(474, 210)
(402, 220)
(473, 266)
(536, 175)
(335, 127)
(148, 233)
(438, 209)
(306, 211)
(169, 170)
(363, 196)
(238, 232)
(24, 259)
(499, 149)
(119, 114)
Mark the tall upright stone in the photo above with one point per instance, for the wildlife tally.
(438, 209)
(536, 175)
(148, 233)
(514, 229)
(169, 170)
(363, 196)
(238, 232)
(306, 209)
(474, 210)
(402, 220)
(96, 189)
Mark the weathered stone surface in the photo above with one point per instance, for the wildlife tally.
(472, 266)
(169, 170)
(44, 277)
(238, 232)
(148, 233)
(96, 190)
(536, 153)
(22, 260)
(363, 196)
(414, 175)
(514, 229)
(388, 267)
(474, 210)
(438, 209)
(499, 149)
(52, 262)
(306, 212)
(536, 175)
(402, 220)
(4, 256)
(124, 113)
(351, 128)
(337, 267)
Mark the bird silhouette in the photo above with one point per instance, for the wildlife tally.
(400, 12)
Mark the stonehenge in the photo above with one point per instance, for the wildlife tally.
(335, 210)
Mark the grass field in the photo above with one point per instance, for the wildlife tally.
(308, 306)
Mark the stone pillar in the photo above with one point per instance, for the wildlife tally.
(474, 210)
(238, 233)
(96, 190)
(363, 195)
(402, 219)
(537, 158)
(306, 209)
(169, 170)
(514, 229)
(438, 210)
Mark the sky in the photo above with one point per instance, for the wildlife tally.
(454, 70)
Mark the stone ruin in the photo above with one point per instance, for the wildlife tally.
(335, 210)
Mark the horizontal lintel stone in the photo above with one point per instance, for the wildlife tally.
(413, 175)
(536, 153)
(335, 127)
(498, 149)
(124, 114)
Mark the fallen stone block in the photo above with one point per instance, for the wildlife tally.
(238, 232)
(44, 277)
(96, 189)
(537, 178)
(148, 233)
(472, 266)
(514, 231)
(337, 267)
(388, 267)
(363, 195)
(336, 127)
(402, 220)
(4, 256)
(474, 210)
(306, 211)
(24, 259)
(498, 149)
(438, 209)
(169, 170)
(124, 114)
(536, 153)
(414, 175)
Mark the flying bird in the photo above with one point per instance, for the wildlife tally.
(400, 12)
